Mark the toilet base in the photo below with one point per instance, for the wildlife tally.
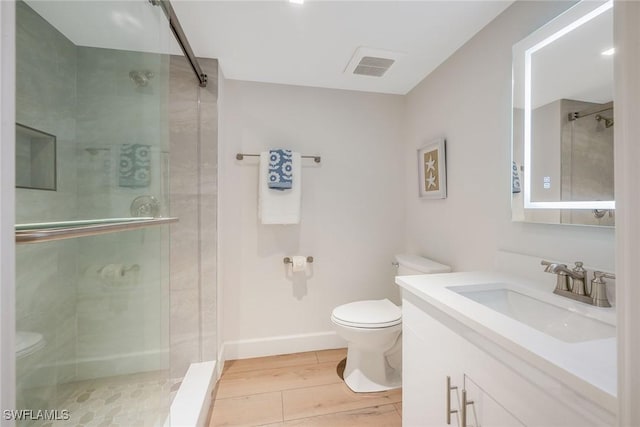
(368, 372)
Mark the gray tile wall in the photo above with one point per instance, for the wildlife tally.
(193, 190)
(46, 273)
(95, 326)
(122, 321)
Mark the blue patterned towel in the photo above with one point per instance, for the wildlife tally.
(134, 166)
(280, 167)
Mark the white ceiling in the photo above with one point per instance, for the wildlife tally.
(311, 44)
(281, 42)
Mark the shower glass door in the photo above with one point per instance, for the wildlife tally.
(92, 150)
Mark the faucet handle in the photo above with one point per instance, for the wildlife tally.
(599, 288)
(599, 275)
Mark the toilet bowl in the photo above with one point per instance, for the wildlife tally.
(28, 343)
(372, 329)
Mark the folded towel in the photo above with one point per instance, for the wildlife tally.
(280, 169)
(134, 166)
(279, 207)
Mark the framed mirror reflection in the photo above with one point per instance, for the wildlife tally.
(563, 120)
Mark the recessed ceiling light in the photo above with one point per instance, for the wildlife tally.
(296, 1)
(609, 52)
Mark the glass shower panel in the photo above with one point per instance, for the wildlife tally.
(92, 329)
(93, 312)
(95, 76)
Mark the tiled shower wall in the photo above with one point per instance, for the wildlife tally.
(193, 114)
(122, 321)
(85, 97)
(46, 273)
(92, 326)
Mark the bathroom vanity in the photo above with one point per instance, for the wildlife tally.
(492, 349)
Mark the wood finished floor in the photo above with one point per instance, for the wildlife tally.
(301, 389)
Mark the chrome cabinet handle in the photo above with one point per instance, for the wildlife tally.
(449, 411)
(463, 410)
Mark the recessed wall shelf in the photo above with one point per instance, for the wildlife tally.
(35, 159)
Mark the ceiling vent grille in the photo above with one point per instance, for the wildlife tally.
(373, 66)
(367, 61)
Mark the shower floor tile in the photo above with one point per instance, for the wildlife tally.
(128, 400)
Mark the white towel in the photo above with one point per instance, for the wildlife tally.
(279, 206)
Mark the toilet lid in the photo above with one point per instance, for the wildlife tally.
(368, 314)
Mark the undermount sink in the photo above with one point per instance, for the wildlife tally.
(558, 322)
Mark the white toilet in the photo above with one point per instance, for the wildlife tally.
(372, 329)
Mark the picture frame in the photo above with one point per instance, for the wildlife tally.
(432, 170)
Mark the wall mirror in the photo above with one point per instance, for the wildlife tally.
(562, 147)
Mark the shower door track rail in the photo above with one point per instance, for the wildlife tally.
(51, 233)
(181, 38)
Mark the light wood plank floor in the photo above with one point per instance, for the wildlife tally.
(302, 389)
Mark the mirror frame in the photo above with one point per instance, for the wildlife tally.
(568, 21)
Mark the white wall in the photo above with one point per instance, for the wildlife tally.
(352, 212)
(468, 100)
(627, 155)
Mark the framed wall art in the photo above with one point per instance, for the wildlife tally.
(432, 170)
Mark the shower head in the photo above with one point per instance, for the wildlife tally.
(141, 78)
(608, 122)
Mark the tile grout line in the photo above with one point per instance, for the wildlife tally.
(281, 390)
(344, 412)
(398, 410)
(353, 409)
(281, 367)
(246, 395)
(282, 403)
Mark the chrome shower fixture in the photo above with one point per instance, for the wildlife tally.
(608, 122)
(141, 78)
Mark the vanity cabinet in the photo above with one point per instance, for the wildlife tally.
(506, 391)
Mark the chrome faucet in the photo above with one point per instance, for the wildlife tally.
(570, 283)
(562, 281)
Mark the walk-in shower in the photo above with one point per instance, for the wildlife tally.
(110, 304)
(587, 158)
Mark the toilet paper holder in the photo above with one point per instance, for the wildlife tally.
(288, 260)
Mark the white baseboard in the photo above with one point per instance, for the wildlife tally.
(221, 360)
(190, 407)
(282, 344)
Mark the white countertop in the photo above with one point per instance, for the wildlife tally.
(587, 367)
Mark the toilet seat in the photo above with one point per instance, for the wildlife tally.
(369, 314)
(28, 343)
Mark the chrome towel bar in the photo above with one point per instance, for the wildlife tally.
(241, 156)
(35, 235)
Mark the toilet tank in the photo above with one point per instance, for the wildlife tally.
(409, 265)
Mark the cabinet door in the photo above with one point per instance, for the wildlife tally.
(485, 411)
(435, 346)
(429, 356)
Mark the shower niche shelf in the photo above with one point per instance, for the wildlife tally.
(35, 159)
(49, 231)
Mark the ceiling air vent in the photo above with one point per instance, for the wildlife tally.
(367, 61)
(372, 66)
